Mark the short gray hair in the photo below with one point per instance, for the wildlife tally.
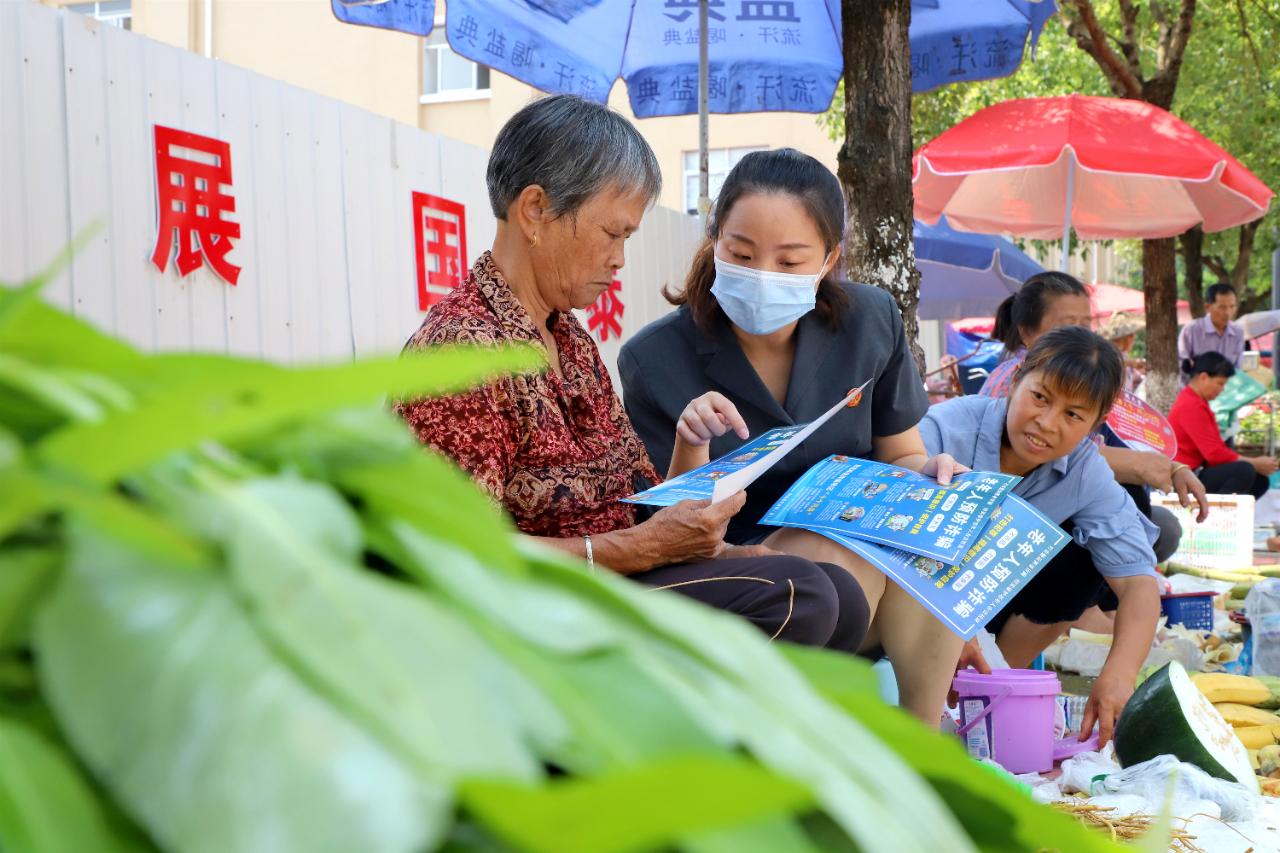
(573, 149)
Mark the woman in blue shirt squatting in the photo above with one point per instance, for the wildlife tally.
(767, 335)
(1050, 300)
(1042, 432)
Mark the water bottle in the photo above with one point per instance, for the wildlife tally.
(1262, 606)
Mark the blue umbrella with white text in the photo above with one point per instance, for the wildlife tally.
(749, 56)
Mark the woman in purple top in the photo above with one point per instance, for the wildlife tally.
(1045, 301)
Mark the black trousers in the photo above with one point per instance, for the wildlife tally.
(1065, 588)
(1170, 527)
(1070, 584)
(1234, 478)
(788, 598)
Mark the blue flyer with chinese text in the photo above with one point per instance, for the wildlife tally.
(699, 484)
(892, 506)
(732, 473)
(1015, 545)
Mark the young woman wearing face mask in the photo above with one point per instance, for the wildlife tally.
(1041, 431)
(766, 335)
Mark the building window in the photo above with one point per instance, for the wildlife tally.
(117, 13)
(719, 162)
(446, 76)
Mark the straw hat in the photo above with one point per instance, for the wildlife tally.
(1120, 325)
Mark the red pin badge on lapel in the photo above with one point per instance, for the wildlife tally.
(855, 394)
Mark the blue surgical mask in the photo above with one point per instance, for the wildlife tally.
(760, 302)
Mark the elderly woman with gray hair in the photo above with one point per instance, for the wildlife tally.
(569, 181)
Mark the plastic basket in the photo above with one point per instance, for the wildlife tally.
(1191, 609)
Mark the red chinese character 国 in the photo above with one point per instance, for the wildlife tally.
(191, 200)
(440, 239)
(605, 314)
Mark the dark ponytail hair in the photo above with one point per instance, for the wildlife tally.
(779, 171)
(1213, 363)
(1078, 363)
(1025, 309)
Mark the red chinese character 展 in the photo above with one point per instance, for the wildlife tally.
(191, 203)
(604, 315)
(440, 240)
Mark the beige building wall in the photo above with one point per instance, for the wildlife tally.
(296, 41)
(300, 42)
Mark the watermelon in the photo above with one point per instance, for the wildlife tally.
(1168, 715)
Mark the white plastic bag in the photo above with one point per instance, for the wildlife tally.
(1082, 771)
(1150, 780)
(1263, 608)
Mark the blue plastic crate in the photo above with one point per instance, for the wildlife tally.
(1192, 609)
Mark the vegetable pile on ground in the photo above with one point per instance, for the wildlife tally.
(242, 610)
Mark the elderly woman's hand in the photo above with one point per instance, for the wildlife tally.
(707, 417)
(688, 531)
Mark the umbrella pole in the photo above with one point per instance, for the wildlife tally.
(704, 108)
(1066, 214)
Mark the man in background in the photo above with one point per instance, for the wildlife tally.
(1215, 331)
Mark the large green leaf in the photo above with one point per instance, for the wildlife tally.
(43, 335)
(25, 418)
(370, 455)
(46, 806)
(248, 402)
(29, 495)
(198, 729)
(997, 814)
(633, 809)
(58, 397)
(412, 670)
(25, 575)
(783, 834)
(718, 669)
(619, 715)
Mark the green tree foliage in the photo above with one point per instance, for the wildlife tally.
(1229, 90)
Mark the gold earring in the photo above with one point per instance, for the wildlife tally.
(533, 243)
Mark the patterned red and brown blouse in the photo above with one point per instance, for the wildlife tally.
(556, 452)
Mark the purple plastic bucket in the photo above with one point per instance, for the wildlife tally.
(1007, 716)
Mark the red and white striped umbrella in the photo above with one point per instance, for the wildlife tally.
(1107, 167)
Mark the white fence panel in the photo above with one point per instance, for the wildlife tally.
(162, 69)
(323, 194)
(332, 299)
(130, 215)
(208, 293)
(246, 303)
(13, 248)
(88, 168)
(367, 260)
(39, 118)
(270, 217)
